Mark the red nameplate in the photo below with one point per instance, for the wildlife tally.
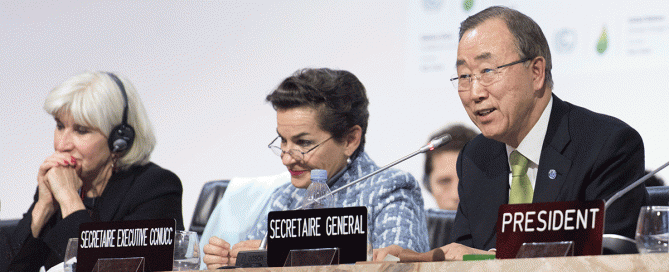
(577, 221)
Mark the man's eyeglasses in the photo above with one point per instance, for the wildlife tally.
(486, 78)
(295, 153)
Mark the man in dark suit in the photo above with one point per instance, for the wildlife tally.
(563, 152)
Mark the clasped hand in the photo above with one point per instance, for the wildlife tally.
(58, 181)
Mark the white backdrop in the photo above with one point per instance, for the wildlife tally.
(203, 69)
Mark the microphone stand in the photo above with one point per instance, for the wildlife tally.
(632, 186)
(617, 241)
(422, 150)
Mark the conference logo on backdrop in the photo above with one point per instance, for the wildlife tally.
(603, 42)
(467, 5)
(432, 5)
(565, 40)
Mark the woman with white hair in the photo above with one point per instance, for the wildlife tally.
(100, 170)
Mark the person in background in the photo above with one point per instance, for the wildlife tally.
(533, 146)
(95, 174)
(321, 121)
(440, 177)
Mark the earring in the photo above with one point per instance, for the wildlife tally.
(114, 159)
(348, 160)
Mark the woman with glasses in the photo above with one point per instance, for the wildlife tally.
(321, 121)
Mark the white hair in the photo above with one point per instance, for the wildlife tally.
(94, 99)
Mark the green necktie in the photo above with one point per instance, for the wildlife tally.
(521, 187)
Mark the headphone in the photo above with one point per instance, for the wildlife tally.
(122, 136)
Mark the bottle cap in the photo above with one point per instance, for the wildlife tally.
(319, 174)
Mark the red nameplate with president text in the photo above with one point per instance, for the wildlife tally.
(579, 222)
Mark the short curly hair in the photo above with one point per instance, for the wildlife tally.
(337, 95)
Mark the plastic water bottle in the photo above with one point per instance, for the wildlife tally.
(317, 189)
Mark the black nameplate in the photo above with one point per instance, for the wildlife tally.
(343, 228)
(151, 239)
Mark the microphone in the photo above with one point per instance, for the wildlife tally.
(436, 143)
(430, 146)
(631, 186)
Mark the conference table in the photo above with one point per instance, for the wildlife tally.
(623, 262)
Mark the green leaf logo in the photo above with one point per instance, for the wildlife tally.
(603, 42)
(468, 4)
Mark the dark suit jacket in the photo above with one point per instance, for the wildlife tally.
(140, 193)
(594, 156)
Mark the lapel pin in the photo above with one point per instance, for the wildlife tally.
(552, 174)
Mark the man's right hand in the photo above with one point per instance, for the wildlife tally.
(216, 253)
(455, 251)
